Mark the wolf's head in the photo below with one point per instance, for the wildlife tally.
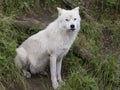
(69, 19)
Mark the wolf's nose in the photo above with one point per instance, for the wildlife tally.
(72, 26)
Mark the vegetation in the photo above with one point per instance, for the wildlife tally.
(100, 38)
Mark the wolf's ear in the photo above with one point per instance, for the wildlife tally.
(59, 10)
(76, 9)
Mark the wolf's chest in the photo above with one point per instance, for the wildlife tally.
(61, 44)
(62, 47)
(62, 50)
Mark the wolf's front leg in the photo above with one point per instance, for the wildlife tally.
(58, 70)
(53, 59)
(59, 66)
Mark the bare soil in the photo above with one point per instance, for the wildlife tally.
(38, 82)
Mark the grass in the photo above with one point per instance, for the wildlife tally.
(16, 6)
(11, 37)
(101, 73)
(9, 75)
(76, 77)
(106, 70)
(79, 81)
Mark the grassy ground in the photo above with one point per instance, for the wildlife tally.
(101, 38)
(100, 73)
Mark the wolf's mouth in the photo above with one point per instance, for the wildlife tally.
(73, 29)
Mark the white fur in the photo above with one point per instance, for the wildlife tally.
(49, 45)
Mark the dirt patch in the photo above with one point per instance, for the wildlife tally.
(41, 20)
(38, 82)
(107, 43)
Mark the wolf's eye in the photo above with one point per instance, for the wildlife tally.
(75, 19)
(66, 20)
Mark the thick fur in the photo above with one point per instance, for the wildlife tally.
(49, 46)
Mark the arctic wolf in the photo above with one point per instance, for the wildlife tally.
(49, 46)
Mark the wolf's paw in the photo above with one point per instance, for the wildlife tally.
(27, 74)
(55, 85)
(62, 83)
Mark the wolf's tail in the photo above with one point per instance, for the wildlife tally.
(21, 57)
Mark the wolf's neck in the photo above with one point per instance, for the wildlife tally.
(69, 36)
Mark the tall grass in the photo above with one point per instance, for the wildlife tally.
(10, 38)
(16, 6)
(106, 70)
(77, 77)
(100, 73)
(9, 75)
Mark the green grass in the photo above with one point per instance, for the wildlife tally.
(101, 73)
(10, 38)
(16, 6)
(9, 75)
(80, 81)
(76, 77)
(106, 70)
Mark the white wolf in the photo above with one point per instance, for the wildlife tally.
(49, 46)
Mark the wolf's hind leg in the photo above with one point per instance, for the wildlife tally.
(21, 61)
(21, 57)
